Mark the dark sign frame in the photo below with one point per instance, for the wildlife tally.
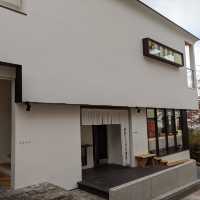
(146, 52)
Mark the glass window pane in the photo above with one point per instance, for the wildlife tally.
(151, 128)
(190, 78)
(161, 132)
(167, 138)
(190, 69)
(178, 58)
(187, 56)
(178, 131)
(198, 81)
(150, 113)
(171, 131)
(170, 55)
(154, 48)
(164, 52)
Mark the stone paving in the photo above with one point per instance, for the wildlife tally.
(47, 191)
(193, 196)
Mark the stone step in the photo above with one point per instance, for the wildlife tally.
(93, 190)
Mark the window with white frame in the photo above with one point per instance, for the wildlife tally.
(12, 4)
(189, 66)
(197, 63)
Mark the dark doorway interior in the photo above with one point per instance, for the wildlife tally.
(5, 134)
(100, 144)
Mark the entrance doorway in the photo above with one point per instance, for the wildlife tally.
(5, 133)
(105, 137)
(100, 144)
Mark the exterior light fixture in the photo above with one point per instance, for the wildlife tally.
(138, 110)
(28, 106)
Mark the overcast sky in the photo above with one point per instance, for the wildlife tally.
(185, 13)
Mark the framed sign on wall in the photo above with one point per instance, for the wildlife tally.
(163, 53)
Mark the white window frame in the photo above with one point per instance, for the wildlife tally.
(190, 67)
(10, 6)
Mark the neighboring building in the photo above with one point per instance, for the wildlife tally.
(194, 118)
(87, 86)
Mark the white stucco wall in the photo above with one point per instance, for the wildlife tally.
(47, 145)
(90, 52)
(139, 139)
(5, 121)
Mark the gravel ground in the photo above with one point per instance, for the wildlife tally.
(47, 192)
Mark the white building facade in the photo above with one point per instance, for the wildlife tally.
(79, 70)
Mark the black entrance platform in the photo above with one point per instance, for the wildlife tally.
(100, 179)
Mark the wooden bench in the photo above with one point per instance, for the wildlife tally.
(174, 163)
(156, 161)
(144, 159)
(163, 162)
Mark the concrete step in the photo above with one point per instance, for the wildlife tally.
(93, 190)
